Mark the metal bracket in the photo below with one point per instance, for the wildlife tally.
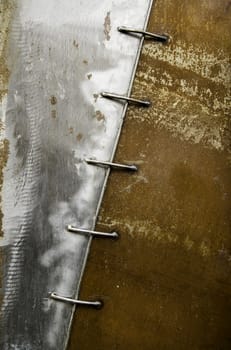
(73, 229)
(143, 103)
(154, 36)
(95, 304)
(112, 165)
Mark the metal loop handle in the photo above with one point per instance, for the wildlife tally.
(112, 165)
(154, 36)
(73, 229)
(143, 103)
(95, 304)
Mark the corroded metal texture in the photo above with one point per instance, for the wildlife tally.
(167, 282)
(6, 8)
(61, 56)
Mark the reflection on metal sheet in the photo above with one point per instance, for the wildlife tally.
(62, 55)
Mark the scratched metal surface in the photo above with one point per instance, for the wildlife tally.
(60, 56)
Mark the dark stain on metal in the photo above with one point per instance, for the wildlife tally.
(53, 114)
(107, 26)
(4, 152)
(95, 97)
(6, 9)
(79, 137)
(75, 44)
(99, 116)
(53, 100)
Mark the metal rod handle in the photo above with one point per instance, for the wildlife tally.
(112, 165)
(158, 37)
(73, 229)
(96, 304)
(144, 103)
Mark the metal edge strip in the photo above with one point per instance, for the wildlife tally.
(108, 172)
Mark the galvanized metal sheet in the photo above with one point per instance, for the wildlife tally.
(61, 56)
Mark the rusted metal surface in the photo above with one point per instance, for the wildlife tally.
(167, 281)
(6, 8)
(61, 56)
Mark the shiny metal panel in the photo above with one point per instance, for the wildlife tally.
(62, 55)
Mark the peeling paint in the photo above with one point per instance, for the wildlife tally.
(189, 99)
(213, 66)
(151, 231)
(189, 79)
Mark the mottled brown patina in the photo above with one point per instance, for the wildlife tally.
(6, 8)
(166, 283)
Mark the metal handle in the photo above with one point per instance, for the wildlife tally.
(157, 37)
(143, 103)
(73, 229)
(95, 304)
(112, 165)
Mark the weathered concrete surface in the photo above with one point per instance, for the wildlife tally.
(166, 284)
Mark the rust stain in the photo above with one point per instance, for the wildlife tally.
(53, 100)
(193, 106)
(189, 79)
(96, 96)
(99, 116)
(75, 44)
(4, 152)
(53, 114)
(6, 9)
(71, 130)
(107, 26)
(79, 137)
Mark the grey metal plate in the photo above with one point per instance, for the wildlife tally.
(62, 54)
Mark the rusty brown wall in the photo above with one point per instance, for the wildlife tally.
(166, 283)
(6, 7)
